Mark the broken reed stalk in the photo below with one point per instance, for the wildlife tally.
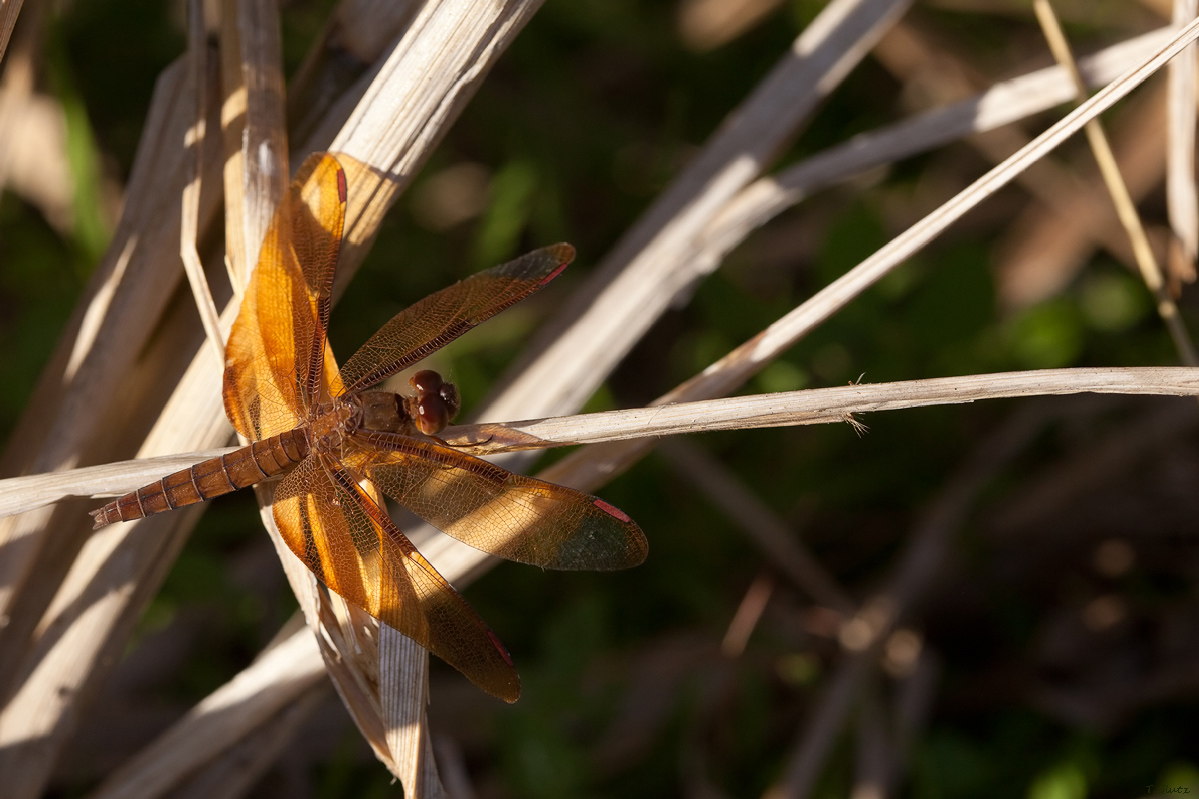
(1182, 196)
(1007, 102)
(1126, 209)
(9, 9)
(651, 265)
(189, 227)
(834, 405)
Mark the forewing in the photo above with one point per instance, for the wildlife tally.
(490, 508)
(274, 358)
(440, 318)
(318, 221)
(351, 545)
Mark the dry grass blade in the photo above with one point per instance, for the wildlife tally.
(190, 221)
(21, 494)
(126, 295)
(31, 128)
(757, 596)
(1052, 238)
(82, 597)
(1002, 104)
(253, 125)
(1182, 198)
(356, 34)
(1125, 207)
(650, 266)
(79, 642)
(73, 404)
(240, 768)
(816, 406)
(244, 703)
(90, 617)
(1049, 244)
(408, 737)
(404, 112)
(735, 367)
(9, 9)
(708, 24)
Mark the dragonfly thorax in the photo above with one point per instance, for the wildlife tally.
(383, 411)
(333, 423)
(434, 406)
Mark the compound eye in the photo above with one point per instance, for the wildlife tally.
(426, 381)
(432, 415)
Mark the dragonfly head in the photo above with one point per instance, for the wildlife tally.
(436, 402)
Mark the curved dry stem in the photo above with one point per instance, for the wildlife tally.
(189, 226)
(9, 9)
(1182, 197)
(650, 266)
(784, 409)
(20, 494)
(1002, 104)
(815, 406)
(204, 733)
(1126, 208)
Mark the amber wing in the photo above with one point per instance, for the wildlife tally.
(440, 318)
(351, 545)
(276, 350)
(490, 508)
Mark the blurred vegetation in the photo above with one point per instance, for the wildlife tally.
(585, 120)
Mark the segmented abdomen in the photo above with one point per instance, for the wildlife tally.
(209, 479)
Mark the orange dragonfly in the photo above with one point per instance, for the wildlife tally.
(340, 447)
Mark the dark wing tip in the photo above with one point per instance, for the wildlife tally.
(509, 689)
(563, 252)
(633, 546)
(637, 551)
(560, 256)
(541, 265)
(601, 543)
(511, 692)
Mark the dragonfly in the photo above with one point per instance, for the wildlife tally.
(338, 446)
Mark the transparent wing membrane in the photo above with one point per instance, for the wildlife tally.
(440, 318)
(334, 526)
(488, 507)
